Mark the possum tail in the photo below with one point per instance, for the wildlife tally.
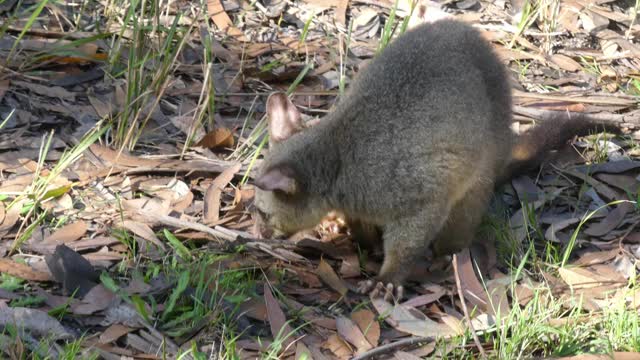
(532, 147)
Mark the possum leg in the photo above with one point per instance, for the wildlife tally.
(405, 242)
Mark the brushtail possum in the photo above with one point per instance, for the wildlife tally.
(414, 149)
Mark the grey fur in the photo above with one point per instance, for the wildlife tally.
(414, 148)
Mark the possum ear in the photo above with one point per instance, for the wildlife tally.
(284, 118)
(278, 178)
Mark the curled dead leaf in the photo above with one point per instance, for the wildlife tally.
(615, 356)
(566, 63)
(218, 138)
(72, 270)
(97, 299)
(473, 290)
(2, 212)
(338, 347)
(410, 320)
(350, 331)
(144, 231)
(302, 351)
(368, 324)
(326, 273)
(213, 193)
(219, 16)
(277, 320)
(113, 333)
(11, 217)
(68, 233)
(36, 321)
(48, 91)
(582, 277)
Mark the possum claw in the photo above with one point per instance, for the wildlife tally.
(380, 290)
(365, 286)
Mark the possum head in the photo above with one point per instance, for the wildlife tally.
(283, 201)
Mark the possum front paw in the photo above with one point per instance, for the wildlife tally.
(378, 289)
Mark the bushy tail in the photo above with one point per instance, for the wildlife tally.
(532, 147)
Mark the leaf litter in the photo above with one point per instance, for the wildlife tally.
(96, 239)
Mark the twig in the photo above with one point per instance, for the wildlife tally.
(255, 94)
(219, 232)
(464, 307)
(76, 35)
(390, 347)
(18, 74)
(174, 222)
(544, 115)
(575, 99)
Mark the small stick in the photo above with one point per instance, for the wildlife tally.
(390, 347)
(577, 99)
(464, 307)
(175, 222)
(544, 114)
(219, 232)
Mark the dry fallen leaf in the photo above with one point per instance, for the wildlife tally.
(338, 347)
(2, 212)
(326, 273)
(49, 91)
(350, 266)
(410, 320)
(596, 257)
(189, 125)
(36, 321)
(341, 12)
(368, 324)
(222, 20)
(615, 356)
(144, 231)
(72, 270)
(97, 299)
(611, 221)
(321, 4)
(626, 183)
(218, 138)
(113, 333)
(473, 290)
(302, 351)
(11, 217)
(214, 192)
(350, 331)
(593, 22)
(68, 233)
(308, 278)
(582, 277)
(115, 157)
(422, 300)
(140, 206)
(254, 308)
(565, 62)
(559, 225)
(23, 271)
(277, 320)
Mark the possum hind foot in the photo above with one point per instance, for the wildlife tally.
(378, 289)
